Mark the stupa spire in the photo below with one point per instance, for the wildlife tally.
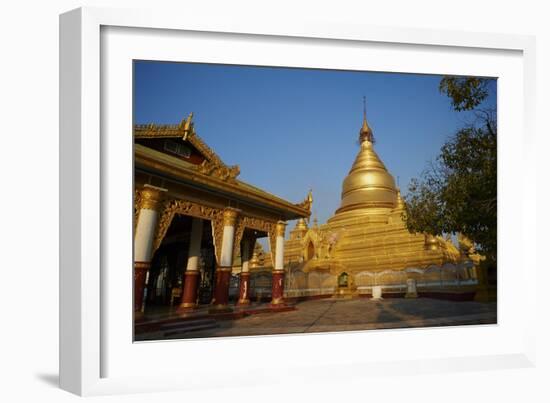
(365, 133)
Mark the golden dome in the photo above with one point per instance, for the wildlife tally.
(368, 184)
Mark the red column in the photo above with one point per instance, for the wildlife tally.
(277, 288)
(244, 286)
(221, 289)
(189, 299)
(140, 274)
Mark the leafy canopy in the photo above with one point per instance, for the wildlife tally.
(457, 191)
(466, 93)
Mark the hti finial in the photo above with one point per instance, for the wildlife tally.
(365, 133)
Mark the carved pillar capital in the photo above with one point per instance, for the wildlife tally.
(280, 228)
(230, 216)
(151, 196)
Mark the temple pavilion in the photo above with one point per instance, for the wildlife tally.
(194, 220)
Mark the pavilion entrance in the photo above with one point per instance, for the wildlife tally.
(167, 275)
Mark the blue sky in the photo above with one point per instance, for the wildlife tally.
(295, 129)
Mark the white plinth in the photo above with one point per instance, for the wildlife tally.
(376, 292)
(411, 289)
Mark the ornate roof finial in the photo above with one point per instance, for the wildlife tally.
(308, 201)
(365, 133)
(187, 123)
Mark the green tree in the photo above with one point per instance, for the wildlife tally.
(457, 192)
(466, 93)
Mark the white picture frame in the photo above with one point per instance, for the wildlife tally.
(88, 317)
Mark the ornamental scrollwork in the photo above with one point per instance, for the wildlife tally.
(272, 243)
(216, 217)
(172, 207)
(217, 234)
(239, 231)
(222, 172)
(137, 204)
(269, 227)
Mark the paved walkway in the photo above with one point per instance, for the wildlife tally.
(338, 315)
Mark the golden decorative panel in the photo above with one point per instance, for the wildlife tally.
(217, 217)
(173, 207)
(239, 231)
(137, 203)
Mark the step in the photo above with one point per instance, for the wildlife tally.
(187, 322)
(188, 329)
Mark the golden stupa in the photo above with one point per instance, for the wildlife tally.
(366, 242)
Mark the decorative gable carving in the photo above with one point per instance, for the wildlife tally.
(212, 164)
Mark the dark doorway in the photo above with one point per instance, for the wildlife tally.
(166, 277)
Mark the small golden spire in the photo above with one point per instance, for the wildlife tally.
(301, 224)
(400, 205)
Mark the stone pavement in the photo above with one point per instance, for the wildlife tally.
(327, 315)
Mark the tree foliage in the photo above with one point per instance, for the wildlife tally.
(458, 190)
(466, 93)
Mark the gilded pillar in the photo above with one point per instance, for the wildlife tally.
(192, 273)
(244, 279)
(143, 239)
(278, 274)
(224, 266)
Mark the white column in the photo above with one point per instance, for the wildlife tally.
(143, 240)
(195, 245)
(147, 223)
(277, 279)
(226, 256)
(223, 271)
(228, 237)
(280, 246)
(145, 231)
(245, 258)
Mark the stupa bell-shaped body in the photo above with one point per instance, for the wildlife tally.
(368, 186)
